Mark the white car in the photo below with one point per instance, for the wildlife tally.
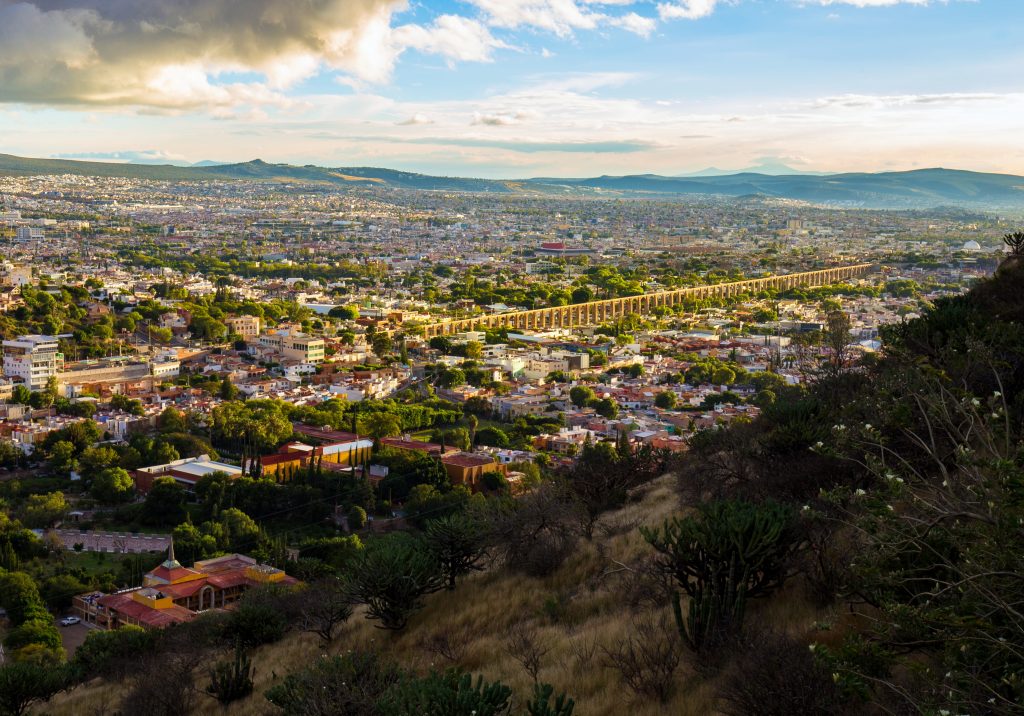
(68, 621)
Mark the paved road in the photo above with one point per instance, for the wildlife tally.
(72, 636)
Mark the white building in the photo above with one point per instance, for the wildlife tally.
(29, 233)
(33, 359)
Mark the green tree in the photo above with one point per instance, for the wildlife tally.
(607, 408)
(666, 400)
(582, 395)
(23, 684)
(228, 391)
(97, 459)
(113, 485)
(165, 503)
(457, 543)
(44, 510)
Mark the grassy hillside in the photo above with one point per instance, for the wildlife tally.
(582, 607)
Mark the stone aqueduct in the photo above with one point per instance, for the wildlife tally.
(597, 312)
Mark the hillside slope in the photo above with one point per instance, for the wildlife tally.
(575, 612)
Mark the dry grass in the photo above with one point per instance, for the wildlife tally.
(572, 613)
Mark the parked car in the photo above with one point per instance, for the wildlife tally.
(68, 621)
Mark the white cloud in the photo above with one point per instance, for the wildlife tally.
(637, 24)
(903, 100)
(871, 3)
(686, 9)
(451, 36)
(562, 17)
(416, 118)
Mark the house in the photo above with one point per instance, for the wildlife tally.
(466, 468)
(186, 472)
(172, 594)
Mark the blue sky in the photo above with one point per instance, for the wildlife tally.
(515, 88)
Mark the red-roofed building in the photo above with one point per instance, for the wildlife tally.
(172, 594)
(467, 468)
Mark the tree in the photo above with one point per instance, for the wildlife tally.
(345, 313)
(723, 376)
(97, 459)
(493, 437)
(165, 503)
(391, 577)
(324, 606)
(474, 350)
(451, 377)
(456, 541)
(21, 395)
(382, 425)
(581, 395)
(62, 458)
(356, 518)
(666, 400)
(380, 344)
(171, 420)
(44, 510)
(228, 391)
(112, 485)
(24, 683)
(837, 340)
(607, 408)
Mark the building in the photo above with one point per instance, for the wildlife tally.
(467, 468)
(294, 345)
(33, 359)
(29, 233)
(186, 472)
(104, 376)
(294, 457)
(172, 594)
(248, 327)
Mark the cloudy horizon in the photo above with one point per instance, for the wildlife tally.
(518, 88)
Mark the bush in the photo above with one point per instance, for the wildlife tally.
(774, 675)
(356, 518)
(451, 693)
(348, 684)
(110, 653)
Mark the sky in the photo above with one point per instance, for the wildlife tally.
(519, 88)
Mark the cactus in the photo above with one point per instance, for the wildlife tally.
(729, 552)
(541, 704)
(230, 681)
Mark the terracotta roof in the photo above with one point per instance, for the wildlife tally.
(125, 604)
(467, 460)
(171, 575)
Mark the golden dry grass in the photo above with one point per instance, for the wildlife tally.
(573, 612)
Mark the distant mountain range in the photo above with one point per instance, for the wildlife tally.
(921, 188)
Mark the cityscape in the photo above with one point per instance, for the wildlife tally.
(562, 422)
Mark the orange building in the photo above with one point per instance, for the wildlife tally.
(466, 468)
(172, 594)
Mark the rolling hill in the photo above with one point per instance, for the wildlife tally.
(921, 188)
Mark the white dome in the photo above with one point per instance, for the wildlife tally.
(972, 246)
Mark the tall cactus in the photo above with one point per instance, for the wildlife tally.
(540, 704)
(728, 552)
(232, 680)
